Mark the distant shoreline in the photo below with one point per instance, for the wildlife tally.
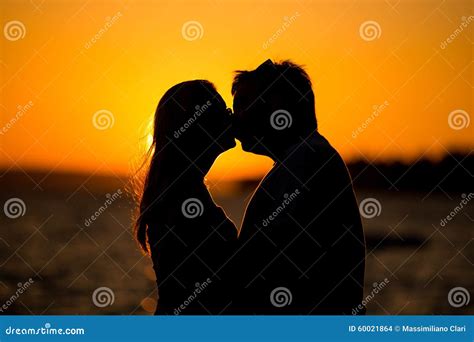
(452, 173)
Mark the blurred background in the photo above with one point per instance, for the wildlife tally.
(80, 81)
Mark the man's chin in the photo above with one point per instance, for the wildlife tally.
(232, 144)
(249, 143)
(245, 145)
(248, 146)
(253, 146)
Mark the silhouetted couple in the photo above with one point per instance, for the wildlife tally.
(301, 246)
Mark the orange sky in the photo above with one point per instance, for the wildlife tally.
(62, 75)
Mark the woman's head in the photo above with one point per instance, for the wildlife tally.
(192, 126)
(193, 117)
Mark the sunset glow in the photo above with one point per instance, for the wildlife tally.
(79, 89)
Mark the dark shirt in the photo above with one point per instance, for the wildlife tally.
(301, 246)
(191, 243)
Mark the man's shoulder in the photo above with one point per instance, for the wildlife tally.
(314, 154)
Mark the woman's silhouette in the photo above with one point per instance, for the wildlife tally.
(189, 238)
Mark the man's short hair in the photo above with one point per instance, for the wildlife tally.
(285, 82)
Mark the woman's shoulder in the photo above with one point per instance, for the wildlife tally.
(191, 210)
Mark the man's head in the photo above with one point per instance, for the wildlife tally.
(274, 107)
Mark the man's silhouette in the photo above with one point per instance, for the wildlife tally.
(302, 248)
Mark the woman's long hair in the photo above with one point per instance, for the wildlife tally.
(173, 147)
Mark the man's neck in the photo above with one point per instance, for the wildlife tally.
(280, 154)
